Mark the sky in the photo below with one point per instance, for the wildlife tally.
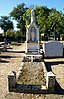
(6, 6)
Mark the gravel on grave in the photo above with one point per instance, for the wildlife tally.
(32, 74)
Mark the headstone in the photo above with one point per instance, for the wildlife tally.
(32, 35)
(53, 49)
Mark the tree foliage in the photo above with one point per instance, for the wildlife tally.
(6, 23)
(50, 21)
(17, 14)
(27, 16)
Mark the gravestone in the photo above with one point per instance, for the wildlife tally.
(53, 49)
(32, 35)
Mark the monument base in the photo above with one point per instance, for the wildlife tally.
(32, 47)
(33, 56)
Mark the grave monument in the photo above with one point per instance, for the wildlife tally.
(32, 36)
(53, 49)
(35, 69)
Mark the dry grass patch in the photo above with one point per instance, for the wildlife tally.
(32, 74)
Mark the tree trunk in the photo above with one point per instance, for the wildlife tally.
(55, 37)
(59, 37)
(5, 41)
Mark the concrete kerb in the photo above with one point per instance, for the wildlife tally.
(44, 69)
(13, 78)
(49, 77)
(19, 71)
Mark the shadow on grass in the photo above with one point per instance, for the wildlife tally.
(15, 51)
(58, 89)
(3, 61)
(4, 56)
(11, 51)
(9, 48)
(49, 64)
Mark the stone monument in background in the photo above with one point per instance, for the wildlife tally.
(32, 36)
(53, 49)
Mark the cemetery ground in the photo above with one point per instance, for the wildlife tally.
(11, 60)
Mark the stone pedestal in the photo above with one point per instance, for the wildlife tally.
(11, 80)
(32, 46)
(50, 83)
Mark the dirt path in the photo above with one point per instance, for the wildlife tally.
(9, 61)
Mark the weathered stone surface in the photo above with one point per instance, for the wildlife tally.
(11, 80)
(50, 83)
(53, 49)
(32, 35)
(44, 69)
(36, 87)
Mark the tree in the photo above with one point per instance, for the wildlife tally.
(5, 24)
(27, 16)
(17, 14)
(56, 23)
(49, 20)
(42, 13)
(10, 33)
